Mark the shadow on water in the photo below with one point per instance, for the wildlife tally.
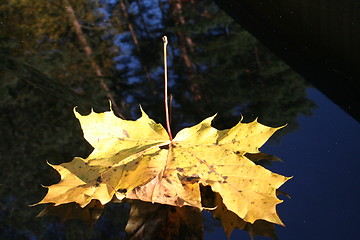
(215, 66)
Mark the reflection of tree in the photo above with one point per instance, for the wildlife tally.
(36, 123)
(186, 46)
(237, 75)
(49, 40)
(89, 52)
(216, 66)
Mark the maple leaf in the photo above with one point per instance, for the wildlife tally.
(137, 160)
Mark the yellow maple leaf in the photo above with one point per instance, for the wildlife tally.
(137, 160)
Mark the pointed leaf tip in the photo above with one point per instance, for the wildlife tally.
(209, 119)
(75, 111)
(110, 104)
(143, 113)
(142, 110)
(241, 118)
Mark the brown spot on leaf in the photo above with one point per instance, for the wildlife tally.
(180, 201)
(179, 169)
(164, 146)
(122, 190)
(191, 179)
(126, 133)
(98, 179)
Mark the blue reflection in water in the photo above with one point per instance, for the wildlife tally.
(322, 157)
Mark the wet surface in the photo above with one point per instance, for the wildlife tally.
(48, 66)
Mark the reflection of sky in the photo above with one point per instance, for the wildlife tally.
(322, 157)
(130, 64)
(126, 61)
(152, 16)
(150, 21)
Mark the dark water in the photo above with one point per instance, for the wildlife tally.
(47, 67)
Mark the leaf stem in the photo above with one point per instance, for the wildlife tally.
(166, 91)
